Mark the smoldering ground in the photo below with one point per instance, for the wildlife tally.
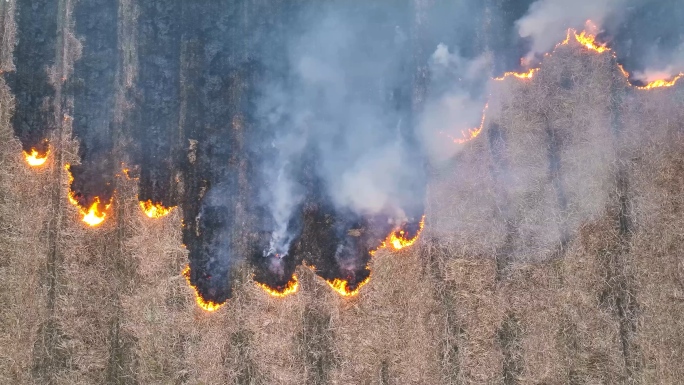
(318, 119)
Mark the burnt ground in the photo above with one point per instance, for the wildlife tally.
(157, 137)
(192, 128)
(34, 54)
(93, 86)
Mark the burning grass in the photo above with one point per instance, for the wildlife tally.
(209, 306)
(36, 159)
(290, 287)
(152, 210)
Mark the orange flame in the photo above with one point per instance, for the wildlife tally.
(520, 75)
(342, 287)
(209, 306)
(397, 239)
(661, 83)
(36, 159)
(587, 40)
(290, 288)
(154, 210)
(472, 133)
(93, 216)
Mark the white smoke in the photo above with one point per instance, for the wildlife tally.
(455, 104)
(547, 21)
(674, 66)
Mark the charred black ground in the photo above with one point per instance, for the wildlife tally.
(157, 141)
(33, 55)
(93, 87)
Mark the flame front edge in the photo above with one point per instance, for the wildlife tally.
(209, 306)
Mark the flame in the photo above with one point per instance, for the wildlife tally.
(93, 216)
(342, 287)
(472, 133)
(209, 306)
(588, 41)
(520, 75)
(397, 239)
(662, 83)
(36, 159)
(290, 288)
(154, 210)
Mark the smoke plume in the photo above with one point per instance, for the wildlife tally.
(547, 21)
(457, 97)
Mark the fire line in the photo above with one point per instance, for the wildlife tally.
(290, 288)
(342, 286)
(397, 240)
(93, 215)
(586, 40)
(209, 306)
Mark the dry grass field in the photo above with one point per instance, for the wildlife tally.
(552, 254)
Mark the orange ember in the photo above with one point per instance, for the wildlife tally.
(290, 288)
(205, 305)
(342, 287)
(36, 159)
(154, 210)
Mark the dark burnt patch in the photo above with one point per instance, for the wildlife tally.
(336, 246)
(33, 116)
(94, 88)
(211, 259)
(157, 137)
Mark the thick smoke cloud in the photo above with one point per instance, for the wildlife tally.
(344, 95)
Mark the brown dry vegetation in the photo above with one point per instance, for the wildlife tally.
(526, 272)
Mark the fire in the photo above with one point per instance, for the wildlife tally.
(472, 133)
(94, 215)
(520, 75)
(36, 159)
(154, 210)
(588, 41)
(291, 288)
(342, 287)
(209, 306)
(661, 83)
(398, 240)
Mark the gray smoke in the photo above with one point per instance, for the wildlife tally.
(457, 98)
(666, 68)
(346, 78)
(547, 21)
(283, 192)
